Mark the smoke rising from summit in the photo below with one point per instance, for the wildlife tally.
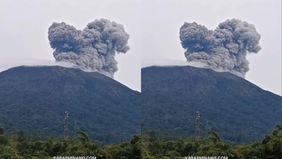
(93, 48)
(224, 48)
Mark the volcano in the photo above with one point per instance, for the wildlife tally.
(184, 101)
(34, 100)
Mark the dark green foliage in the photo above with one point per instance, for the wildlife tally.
(6, 149)
(273, 144)
(269, 148)
(78, 146)
(140, 147)
(239, 110)
(128, 150)
(34, 100)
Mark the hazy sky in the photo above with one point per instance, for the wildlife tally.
(153, 26)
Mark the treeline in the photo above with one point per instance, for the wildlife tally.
(143, 146)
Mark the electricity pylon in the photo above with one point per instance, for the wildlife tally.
(198, 124)
(66, 124)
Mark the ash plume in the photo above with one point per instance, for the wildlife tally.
(224, 48)
(93, 48)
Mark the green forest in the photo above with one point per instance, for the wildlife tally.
(148, 146)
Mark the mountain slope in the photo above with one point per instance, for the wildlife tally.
(183, 100)
(34, 99)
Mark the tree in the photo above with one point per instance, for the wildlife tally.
(273, 144)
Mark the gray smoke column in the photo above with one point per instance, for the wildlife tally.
(224, 48)
(93, 48)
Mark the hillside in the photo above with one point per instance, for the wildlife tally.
(174, 96)
(34, 99)
(176, 101)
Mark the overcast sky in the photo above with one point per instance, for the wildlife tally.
(153, 26)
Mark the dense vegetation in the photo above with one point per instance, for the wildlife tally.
(34, 99)
(144, 146)
(232, 106)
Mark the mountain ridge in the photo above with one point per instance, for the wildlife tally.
(217, 71)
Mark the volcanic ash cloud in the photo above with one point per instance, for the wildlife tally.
(93, 48)
(224, 48)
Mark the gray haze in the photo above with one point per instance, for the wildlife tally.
(153, 26)
(225, 48)
(90, 49)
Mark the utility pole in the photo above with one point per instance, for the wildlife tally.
(66, 124)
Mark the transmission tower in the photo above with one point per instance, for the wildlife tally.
(198, 124)
(66, 124)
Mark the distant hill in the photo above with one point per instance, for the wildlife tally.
(34, 99)
(182, 101)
